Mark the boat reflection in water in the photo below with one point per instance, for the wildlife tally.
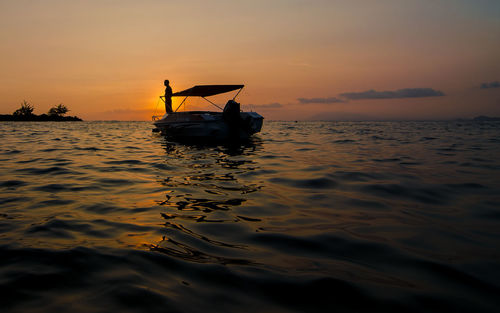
(231, 123)
(204, 192)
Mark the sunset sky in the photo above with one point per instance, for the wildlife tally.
(298, 59)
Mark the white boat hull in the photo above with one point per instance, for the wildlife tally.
(205, 125)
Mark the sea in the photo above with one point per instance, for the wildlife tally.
(303, 217)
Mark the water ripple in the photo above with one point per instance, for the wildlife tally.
(305, 217)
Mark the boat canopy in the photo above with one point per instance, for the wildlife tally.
(206, 90)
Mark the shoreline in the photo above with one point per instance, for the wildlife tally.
(38, 118)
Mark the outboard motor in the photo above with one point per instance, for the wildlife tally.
(231, 113)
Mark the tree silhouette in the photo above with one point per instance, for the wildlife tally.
(26, 109)
(58, 110)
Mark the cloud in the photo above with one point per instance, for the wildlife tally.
(494, 84)
(274, 105)
(400, 93)
(320, 100)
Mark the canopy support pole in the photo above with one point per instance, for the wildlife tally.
(238, 93)
(212, 103)
(181, 104)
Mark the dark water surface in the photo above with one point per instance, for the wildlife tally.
(306, 217)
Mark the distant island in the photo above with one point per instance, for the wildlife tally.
(39, 118)
(480, 118)
(486, 118)
(25, 113)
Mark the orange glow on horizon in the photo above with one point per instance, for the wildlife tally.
(113, 67)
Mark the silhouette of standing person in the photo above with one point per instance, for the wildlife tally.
(168, 97)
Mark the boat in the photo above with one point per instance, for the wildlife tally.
(229, 123)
